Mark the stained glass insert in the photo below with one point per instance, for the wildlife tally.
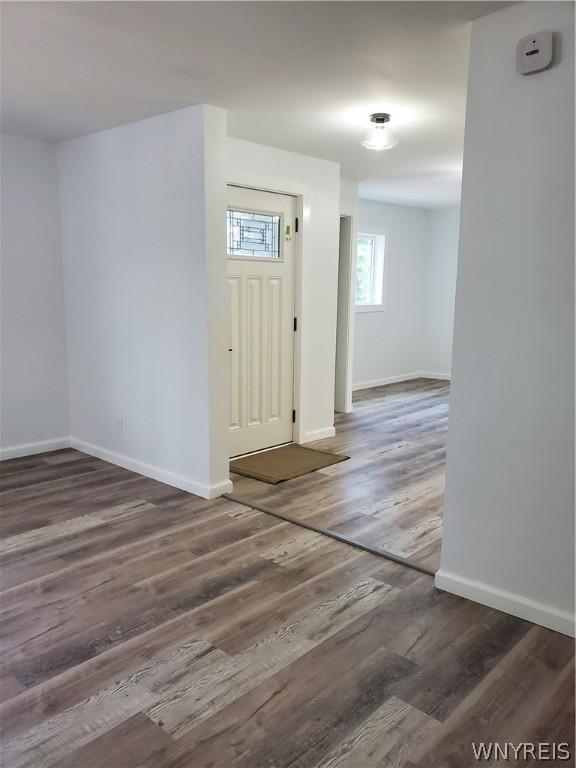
(253, 235)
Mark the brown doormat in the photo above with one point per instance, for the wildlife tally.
(284, 463)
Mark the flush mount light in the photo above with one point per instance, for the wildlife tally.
(381, 136)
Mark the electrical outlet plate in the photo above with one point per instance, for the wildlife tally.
(534, 53)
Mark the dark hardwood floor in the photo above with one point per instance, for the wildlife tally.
(389, 495)
(143, 627)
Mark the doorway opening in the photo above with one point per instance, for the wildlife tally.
(388, 497)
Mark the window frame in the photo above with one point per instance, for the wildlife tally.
(281, 234)
(380, 241)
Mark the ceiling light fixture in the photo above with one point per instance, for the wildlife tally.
(381, 136)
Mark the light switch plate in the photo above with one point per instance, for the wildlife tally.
(534, 52)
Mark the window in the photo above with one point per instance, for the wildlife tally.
(370, 272)
(253, 235)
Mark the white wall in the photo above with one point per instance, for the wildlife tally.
(34, 377)
(509, 523)
(388, 344)
(143, 208)
(412, 336)
(317, 181)
(440, 290)
(349, 201)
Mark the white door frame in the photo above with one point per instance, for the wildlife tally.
(300, 192)
(345, 340)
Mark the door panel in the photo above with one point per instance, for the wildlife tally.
(254, 340)
(260, 268)
(235, 301)
(275, 348)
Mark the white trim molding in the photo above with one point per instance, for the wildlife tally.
(430, 375)
(318, 434)
(386, 380)
(399, 377)
(148, 470)
(30, 449)
(517, 605)
(156, 473)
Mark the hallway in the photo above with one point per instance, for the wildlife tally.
(389, 494)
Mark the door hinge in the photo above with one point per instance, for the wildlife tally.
(295, 324)
(296, 225)
(293, 417)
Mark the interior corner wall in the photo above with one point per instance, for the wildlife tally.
(509, 521)
(317, 182)
(142, 208)
(34, 384)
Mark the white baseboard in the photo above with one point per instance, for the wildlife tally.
(318, 434)
(397, 378)
(386, 380)
(30, 449)
(434, 375)
(156, 473)
(509, 602)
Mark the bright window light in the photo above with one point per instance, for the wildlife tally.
(370, 272)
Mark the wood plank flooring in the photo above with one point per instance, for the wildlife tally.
(143, 627)
(389, 495)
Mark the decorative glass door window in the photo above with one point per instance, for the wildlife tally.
(253, 235)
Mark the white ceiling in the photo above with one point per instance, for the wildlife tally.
(303, 76)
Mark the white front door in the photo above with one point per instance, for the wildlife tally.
(260, 249)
